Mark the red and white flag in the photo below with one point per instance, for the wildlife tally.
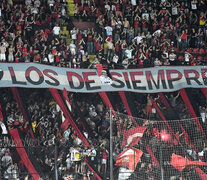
(129, 158)
(132, 136)
(65, 95)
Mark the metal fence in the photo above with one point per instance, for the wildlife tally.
(159, 142)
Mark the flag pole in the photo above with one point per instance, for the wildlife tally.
(111, 146)
(56, 168)
(161, 161)
(134, 159)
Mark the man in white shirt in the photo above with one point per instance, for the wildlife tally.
(118, 23)
(3, 127)
(193, 5)
(115, 58)
(92, 112)
(72, 48)
(172, 57)
(56, 30)
(157, 62)
(128, 53)
(133, 2)
(187, 57)
(6, 160)
(92, 153)
(105, 79)
(107, 6)
(202, 111)
(73, 34)
(68, 162)
(51, 58)
(51, 2)
(2, 52)
(138, 39)
(108, 31)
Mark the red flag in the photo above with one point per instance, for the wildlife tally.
(201, 174)
(65, 95)
(180, 163)
(1, 115)
(64, 125)
(129, 158)
(99, 68)
(132, 136)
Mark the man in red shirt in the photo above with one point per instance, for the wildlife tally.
(183, 40)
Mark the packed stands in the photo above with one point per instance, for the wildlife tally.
(140, 32)
(40, 134)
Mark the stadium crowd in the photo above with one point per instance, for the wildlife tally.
(128, 34)
(46, 118)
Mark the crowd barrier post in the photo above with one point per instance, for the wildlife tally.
(111, 145)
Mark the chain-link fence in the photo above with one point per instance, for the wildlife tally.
(161, 143)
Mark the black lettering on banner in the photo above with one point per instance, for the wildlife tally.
(171, 79)
(70, 76)
(135, 82)
(120, 83)
(203, 74)
(88, 82)
(1, 73)
(127, 80)
(46, 73)
(195, 78)
(150, 79)
(29, 70)
(13, 77)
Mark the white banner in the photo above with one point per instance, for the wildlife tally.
(147, 80)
